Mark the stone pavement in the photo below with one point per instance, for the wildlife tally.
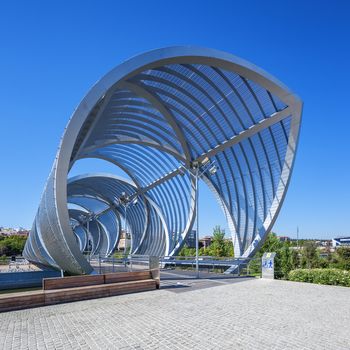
(191, 314)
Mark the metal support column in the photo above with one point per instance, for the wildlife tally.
(197, 223)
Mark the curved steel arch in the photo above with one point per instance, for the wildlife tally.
(159, 116)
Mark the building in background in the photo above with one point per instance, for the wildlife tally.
(283, 238)
(341, 242)
(205, 241)
(9, 231)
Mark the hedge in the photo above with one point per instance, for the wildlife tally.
(335, 277)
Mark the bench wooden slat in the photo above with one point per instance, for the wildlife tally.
(72, 281)
(136, 286)
(127, 276)
(75, 294)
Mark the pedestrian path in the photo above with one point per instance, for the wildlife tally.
(228, 314)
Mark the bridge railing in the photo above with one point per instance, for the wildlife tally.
(244, 266)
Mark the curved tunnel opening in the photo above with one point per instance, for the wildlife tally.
(158, 124)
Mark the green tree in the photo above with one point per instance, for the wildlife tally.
(341, 258)
(309, 255)
(295, 264)
(187, 251)
(286, 260)
(218, 246)
(12, 245)
(229, 248)
(3, 249)
(271, 244)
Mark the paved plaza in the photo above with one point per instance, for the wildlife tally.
(191, 314)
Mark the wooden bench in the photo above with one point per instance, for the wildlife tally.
(22, 300)
(75, 288)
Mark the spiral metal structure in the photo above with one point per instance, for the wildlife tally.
(162, 117)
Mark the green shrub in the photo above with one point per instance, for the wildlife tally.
(12, 245)
(341, 258)
(334, 277)
(3, 260)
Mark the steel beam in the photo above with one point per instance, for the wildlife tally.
(265, 123)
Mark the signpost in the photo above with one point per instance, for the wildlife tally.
(268, 265)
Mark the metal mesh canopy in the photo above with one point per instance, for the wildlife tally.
(160, 117)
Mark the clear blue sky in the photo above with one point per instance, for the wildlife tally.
(53, 51)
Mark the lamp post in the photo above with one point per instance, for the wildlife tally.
(197, 222)
(89, 235)
(198, 169)
(86, 218)
(125, 200)
(125, 227)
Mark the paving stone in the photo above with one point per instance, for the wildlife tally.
(251, 314)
